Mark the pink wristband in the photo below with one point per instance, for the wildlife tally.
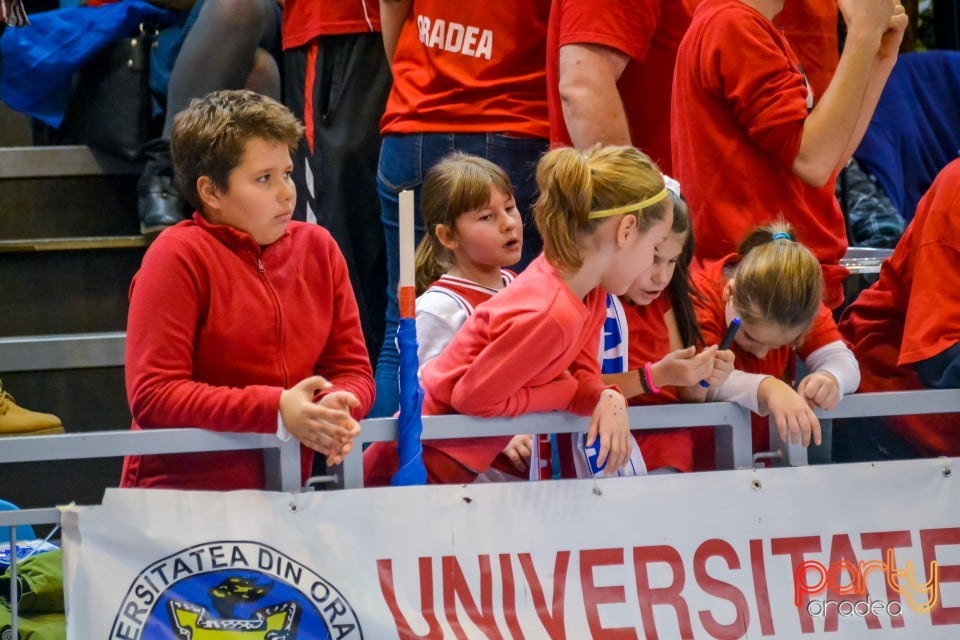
(649, 378)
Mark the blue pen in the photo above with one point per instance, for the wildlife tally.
(726, 342)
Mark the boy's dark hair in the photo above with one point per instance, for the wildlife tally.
(209, 136)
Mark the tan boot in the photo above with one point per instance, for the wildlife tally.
(17, 421)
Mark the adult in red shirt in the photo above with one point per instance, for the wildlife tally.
(750, 145)
(336, 81)
(905, 328)
(241, 320)
(811, 27)
(468, 76)
(610, 73)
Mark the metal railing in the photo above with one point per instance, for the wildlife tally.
(733, 439)
(870, 405)
(62, 351)
(281, 461)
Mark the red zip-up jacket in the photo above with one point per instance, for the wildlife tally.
(219, 326)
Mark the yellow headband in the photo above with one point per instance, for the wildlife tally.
(628, 208)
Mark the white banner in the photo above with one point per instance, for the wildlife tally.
(848, 551)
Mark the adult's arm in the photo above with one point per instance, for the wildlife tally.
(837, 123)
(592, 108)
(393, 13)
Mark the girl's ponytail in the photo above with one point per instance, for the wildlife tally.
(777, 279)
(428, 262)
(563, 207)
(580, 190)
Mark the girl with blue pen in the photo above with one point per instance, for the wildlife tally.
(775, 286)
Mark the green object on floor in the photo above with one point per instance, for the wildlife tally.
(40, 613)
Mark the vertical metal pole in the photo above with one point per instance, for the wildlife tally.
(14, 584)
(353, 468)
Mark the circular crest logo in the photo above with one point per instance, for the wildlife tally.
(233, 590)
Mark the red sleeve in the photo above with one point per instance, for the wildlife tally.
(345, 361)
(586, 370)
(497, 382)
(167, 302)
(932, 322)
(624, 25)
(745, 62)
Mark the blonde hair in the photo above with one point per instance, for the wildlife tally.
(460, 182)
(574, 183)
(209, 136)
(777, 279)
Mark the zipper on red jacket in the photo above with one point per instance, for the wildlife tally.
(276, 303)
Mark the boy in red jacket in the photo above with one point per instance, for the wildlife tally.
(241, 320)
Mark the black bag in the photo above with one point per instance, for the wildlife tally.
(111, 106)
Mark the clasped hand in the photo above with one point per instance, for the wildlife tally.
(325, 424)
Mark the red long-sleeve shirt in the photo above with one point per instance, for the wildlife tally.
(518, 353)
(739, 106)
(911, 313)
(219, 326)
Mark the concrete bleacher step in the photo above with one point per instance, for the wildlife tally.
(69, 246)
(69, 239)
(66, 192)
(72, 244)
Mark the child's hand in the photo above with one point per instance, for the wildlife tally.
(518, 451)
(794, 418)
(609, 423)
(820, 389)
(684, 367)
(338, 404)
(722, 368)
(325, 426)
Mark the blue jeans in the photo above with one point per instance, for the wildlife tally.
(404, 159)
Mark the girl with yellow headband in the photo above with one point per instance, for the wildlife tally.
(533, 346)
(652, 348)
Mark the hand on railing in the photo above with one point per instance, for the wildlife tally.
(609, 422)
(796, 422)
(324, 425)
(821, 390)
(518, 451)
